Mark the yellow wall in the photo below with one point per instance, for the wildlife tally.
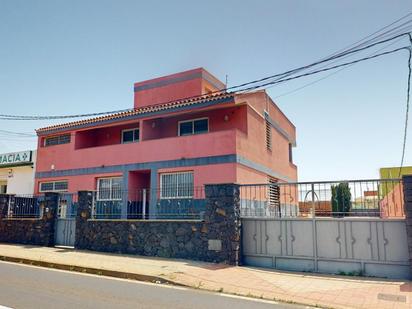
(391, 173)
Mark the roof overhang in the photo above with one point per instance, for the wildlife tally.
(147, 112)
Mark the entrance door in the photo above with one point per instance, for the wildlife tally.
(65, 229)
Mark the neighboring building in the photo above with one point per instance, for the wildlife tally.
(391, 192)
(170, 144)
(17, 172)
(393, 172)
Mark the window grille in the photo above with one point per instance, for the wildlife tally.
(54, 186)
(268, 135)
(176, 185)
(109, 189)
(57, 140)
(274, 194)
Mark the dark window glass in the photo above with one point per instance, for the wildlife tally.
(127, 136)
(130, 136)
(136, 135)
(50, 141)
(186, 128)
(201, 126)
(46, 186)
(64, 139)
(60, 185)
(54, 186)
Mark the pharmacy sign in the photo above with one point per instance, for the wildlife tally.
(16, 158)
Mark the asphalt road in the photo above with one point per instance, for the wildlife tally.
(34, 287)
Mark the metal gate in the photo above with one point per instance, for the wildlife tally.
(65, 230)
(352, 227)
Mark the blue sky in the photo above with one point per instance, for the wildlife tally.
(68, 57)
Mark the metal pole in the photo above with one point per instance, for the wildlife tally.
(144, 204)
(94, 205)
(314, 232)
(312, 188)
(9, 207)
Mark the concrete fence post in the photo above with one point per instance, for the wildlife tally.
(407, 197)
(4, 204)
(51, 202)
(84, 213)
(222, 219)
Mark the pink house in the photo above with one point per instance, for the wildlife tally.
(179, 136)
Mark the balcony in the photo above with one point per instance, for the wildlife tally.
(164, 149)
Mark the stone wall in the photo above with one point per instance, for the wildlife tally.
(214, 239)
(29, 231)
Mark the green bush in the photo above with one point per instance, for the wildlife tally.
(341, 198)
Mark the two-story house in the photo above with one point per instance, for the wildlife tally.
(179, 136)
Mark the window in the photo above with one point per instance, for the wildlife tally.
(130, 136)
(109, 189)
(54, 186)
(290, 153)
(176, 185)
(194, 126)
(3, 187)
(268, 135)
(57, 140)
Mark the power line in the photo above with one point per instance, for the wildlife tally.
(12, 133)
(280, 76)
(407, 108)
(394, 31)
(353, 45)
(327, 76)
(325, 69)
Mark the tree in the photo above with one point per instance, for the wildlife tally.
(341, 198)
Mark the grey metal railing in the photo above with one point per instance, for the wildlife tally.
(25, 206)
(149, 204)
(371, 197)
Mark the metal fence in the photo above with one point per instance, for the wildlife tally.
(371, 198)
(25, 206)
(149, 204)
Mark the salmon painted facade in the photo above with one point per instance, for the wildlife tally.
(180, 134)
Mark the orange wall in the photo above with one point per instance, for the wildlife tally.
(201, 145)
(392, 205)
(174, 87)
(243, 134)
(79, 182)
(168, 127)
(102, 136)
(205, 174)
(253, 147)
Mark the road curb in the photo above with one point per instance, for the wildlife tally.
(89, 270)
(134, 276)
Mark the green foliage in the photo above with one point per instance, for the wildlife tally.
(341, 198)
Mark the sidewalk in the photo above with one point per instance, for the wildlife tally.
(304, 288)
